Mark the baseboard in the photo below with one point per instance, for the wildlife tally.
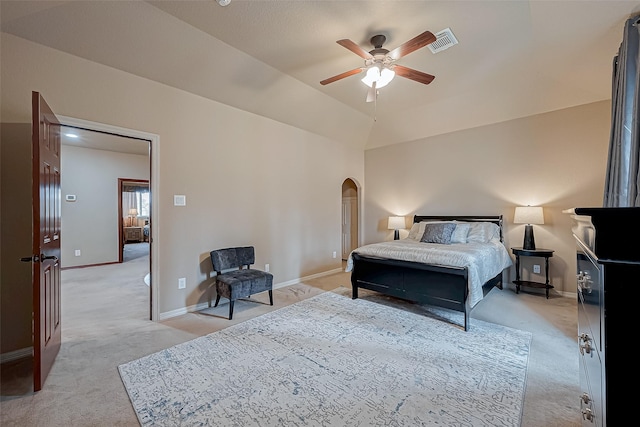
(16, 354)
(201, 306)
(89, 265)
(302, 279)
(541, 291)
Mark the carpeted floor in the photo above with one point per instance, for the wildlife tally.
(105, 312)
(135, 250)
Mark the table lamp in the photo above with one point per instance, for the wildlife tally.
(395, 223)
(528, 215)
(133, 212)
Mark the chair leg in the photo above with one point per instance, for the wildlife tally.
(217, 300)
(230, 309)
(271, 297)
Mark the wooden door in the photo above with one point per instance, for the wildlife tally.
(46, 239)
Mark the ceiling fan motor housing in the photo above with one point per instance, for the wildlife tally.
(379, 53)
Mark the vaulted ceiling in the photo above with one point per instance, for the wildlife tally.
(513, 59)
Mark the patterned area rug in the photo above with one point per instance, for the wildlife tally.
(333, 361)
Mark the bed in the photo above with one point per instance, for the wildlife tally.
(446, 261)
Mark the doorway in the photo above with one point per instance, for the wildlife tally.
(350, 215)
(134, 215)
(151, 142)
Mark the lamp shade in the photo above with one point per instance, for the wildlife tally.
(396, 222)
(133, 212)
(528, 215)
(373, 74)
(381, 75)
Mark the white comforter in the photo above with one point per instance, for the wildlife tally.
(482, 260)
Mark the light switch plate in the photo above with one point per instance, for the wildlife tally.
(179, 200)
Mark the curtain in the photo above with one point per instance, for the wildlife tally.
(623, 175)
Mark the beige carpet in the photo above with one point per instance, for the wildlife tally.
(105, 324)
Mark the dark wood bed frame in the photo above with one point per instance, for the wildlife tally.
(436, 285)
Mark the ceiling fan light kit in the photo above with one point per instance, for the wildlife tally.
(379, 75)
(380, 65)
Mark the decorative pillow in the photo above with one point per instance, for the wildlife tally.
(482, 232)
(438, 233)
(459, 235)
(415, 230)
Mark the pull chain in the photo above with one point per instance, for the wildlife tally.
(375, 107)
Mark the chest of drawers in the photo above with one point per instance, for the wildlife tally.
(607, 278)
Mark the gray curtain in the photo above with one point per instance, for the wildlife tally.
(623, 174)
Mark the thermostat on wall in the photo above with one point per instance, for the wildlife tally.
(70, 197)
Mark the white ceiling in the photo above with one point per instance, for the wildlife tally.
(514, 58)
(103, 141)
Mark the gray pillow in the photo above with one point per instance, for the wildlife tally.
(438, 233)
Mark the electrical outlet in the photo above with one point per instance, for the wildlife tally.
(78, 253)
(182, 283)
(536, 268)
(335, 254)
(266, 268)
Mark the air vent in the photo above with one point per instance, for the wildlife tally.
(444, 40)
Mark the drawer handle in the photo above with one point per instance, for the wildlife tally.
(584, 281)
(586, 347)
(587, 413)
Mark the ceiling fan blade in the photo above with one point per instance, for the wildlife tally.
(355, 48)
(412, 74)
(414, 44)
(371, 93)
(341, 76)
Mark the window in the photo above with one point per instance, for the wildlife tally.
(142, 203)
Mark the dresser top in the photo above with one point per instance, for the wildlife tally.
(611, 233)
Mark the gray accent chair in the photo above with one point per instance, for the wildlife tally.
(235, 278)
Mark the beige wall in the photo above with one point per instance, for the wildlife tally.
(556, 160)
(15, 238)
(247, 179)
(90, 224)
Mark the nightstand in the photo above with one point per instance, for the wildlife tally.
(542, 253)
(133, 234)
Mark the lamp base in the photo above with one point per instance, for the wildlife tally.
(396, 234)
(529, 241)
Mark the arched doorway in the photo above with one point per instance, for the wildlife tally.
(350, 215)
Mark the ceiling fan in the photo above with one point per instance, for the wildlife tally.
(380, 63)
